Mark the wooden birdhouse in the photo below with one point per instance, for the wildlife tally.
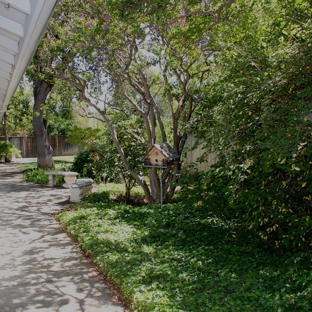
(161, 155)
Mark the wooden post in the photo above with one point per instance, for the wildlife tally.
(56, 145)
(25, 147)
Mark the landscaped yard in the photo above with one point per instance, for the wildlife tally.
(184, 258)
(32, 174)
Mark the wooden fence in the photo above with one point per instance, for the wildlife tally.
(27, 146)
(194, 154)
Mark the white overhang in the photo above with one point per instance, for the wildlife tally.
(22, 23)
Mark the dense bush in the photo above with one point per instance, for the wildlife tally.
(271, 198)
(257, 118)
(84, 165)
(267, 184)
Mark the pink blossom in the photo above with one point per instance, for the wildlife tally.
(105, 26)
(91, 1)
(107, 17)
(88, 24)
(182, 14)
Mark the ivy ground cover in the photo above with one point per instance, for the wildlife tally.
(182, 258)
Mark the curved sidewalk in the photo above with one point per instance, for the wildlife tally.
(40, 268)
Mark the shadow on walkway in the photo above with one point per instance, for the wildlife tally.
(40, 269)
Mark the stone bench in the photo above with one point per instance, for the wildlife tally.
(79, 189)
(69, 177)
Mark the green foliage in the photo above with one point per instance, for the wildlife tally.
(82, 136)
(187, 258)
(38, 176)
(8, 150)
(117, 192)
(118, 189)
(97, 197)
(83, 164)
(255, 119)
(153, 60)
(57, 125)
(58, 109)
(19, 113)
(62, 163)
(101, 160)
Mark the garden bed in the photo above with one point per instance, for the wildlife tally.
(181, 258)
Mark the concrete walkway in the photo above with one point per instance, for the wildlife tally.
(40, 269)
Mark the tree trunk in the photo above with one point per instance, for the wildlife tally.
(44, 149)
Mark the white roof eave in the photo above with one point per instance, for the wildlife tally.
(38, 13)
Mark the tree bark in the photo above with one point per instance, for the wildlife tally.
(44, 149)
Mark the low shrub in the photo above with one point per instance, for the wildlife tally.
(83, 164)
(272, 198)
(38, 176)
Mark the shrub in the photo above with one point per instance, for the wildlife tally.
(8, 150)
(83, 163)
(38, 176)
(269, 197)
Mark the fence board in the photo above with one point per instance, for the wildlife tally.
(193, 155)
(27, 146)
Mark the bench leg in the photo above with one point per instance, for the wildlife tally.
(78, 193)
(87, 190)
(52, 179)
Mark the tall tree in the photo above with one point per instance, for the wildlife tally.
(42, 88)
(116, 47)
(51, 53)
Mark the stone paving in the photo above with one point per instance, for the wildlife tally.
(40, 268)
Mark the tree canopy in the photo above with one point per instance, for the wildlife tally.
(153, 59)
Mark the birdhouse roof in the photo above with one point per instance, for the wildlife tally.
(166, 150)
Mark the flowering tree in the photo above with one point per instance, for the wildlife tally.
(155, 54)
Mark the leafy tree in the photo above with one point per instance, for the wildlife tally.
(43, 83)
(58, 110)
(117, 46)
(52, 53)
(100, 159)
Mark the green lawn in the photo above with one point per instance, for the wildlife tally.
(184, 258)
(59, 161)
